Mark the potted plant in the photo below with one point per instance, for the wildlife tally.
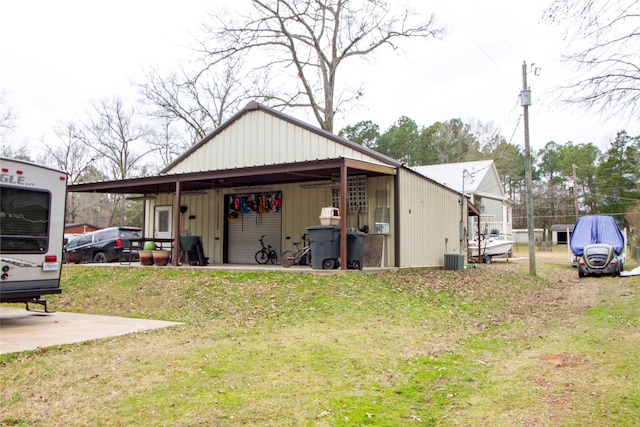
(160, 257)
(146, 254)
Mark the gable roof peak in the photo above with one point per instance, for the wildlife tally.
(254, 106)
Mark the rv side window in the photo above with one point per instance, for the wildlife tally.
(24, 220)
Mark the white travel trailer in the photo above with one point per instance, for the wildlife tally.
(32, 210)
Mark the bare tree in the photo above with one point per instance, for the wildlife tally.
(603, 36)
(168, 142)
(178, 97)
(7, 123)
(119, 142)
(19, 153)
(7, 117)
(310, 40)
(487, 136)
(196, 103)
(70, 154)
(114, 135)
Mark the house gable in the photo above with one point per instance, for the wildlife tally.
(490, 183)
(480, 177)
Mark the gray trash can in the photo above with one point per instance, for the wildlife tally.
(325, 246)
(355, 249)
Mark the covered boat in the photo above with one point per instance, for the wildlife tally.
(594, 229)
(598, 245)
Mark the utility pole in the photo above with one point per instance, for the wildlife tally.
(525, 101)
(575, 190)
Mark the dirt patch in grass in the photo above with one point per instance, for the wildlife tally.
(556, 365)
(560, 360)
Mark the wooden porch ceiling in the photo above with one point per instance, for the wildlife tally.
(252, 176)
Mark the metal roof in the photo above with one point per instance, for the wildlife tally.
(258, 175)
(451, 174)
(316, 170)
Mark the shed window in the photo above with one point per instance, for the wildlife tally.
(163, 221)
(356, 194)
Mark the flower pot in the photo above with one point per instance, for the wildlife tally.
(146, 257)
(161, 258)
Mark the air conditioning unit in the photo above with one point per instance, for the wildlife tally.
(453, 262)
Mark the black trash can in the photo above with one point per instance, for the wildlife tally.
(325, 246)
(355, 249)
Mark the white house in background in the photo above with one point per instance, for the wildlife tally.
(480, 182)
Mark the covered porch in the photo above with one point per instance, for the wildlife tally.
(204, 194)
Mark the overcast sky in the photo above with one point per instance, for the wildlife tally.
(59, 56)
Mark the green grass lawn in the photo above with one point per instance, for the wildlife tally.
(486, 346)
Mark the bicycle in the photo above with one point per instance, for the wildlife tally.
(266, 254)
(290, 258)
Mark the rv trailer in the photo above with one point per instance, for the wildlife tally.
(32, 211)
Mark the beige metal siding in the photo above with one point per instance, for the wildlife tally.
(206, 208)
(258, 139)
(301, 208)
(428, 213)
(429, 221)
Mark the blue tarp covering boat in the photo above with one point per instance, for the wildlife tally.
(596, 229)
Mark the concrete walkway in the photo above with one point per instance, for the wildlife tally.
(22, 330)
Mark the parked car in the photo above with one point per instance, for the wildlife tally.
(100, 246)
(598, 246)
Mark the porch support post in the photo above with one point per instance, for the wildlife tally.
(397, 218)
(479, 237)
(344, 207)
(176, 225)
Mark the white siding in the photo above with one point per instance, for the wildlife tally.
(490, 184)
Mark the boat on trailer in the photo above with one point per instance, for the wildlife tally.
(489, 247)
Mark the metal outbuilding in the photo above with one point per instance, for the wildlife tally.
(265, 173)
(480, 181)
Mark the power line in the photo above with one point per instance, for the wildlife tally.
(506, 41)
(475, 41)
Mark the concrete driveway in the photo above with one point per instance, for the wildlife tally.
(22, 330)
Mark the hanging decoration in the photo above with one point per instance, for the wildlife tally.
(258, 203)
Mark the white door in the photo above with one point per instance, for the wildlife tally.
(162, 226)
